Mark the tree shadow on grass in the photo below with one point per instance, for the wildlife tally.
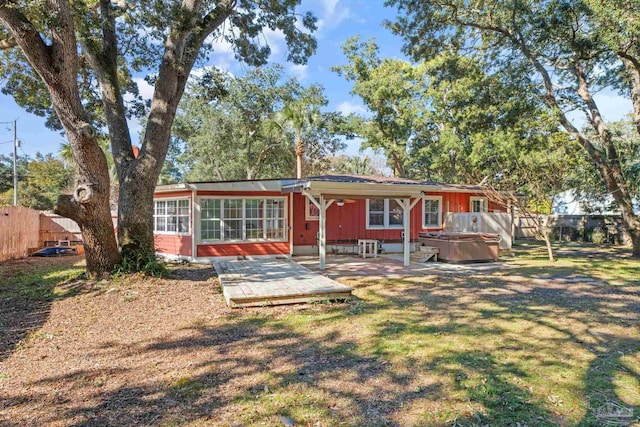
(263, 368)
(581, 314)
(271, 366)
(26, 293)
(454, 350)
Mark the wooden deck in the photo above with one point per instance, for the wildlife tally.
(274, 282)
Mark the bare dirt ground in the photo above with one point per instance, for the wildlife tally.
(135, 351)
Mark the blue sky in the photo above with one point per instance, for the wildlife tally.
(337, 21)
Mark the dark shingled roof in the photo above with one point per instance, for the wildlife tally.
(371, 179)
(367, 179)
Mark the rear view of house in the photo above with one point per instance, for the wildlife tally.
(209, 221)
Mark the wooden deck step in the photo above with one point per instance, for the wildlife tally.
(425, 253)
(274, 282)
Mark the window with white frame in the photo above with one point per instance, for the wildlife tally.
(250, 219)
(432, 212)
(275, 224)
(232, 220)
(210, 219)
(171, 216)
(311, 211)
(396, 213)
(478, 204)
(384, 213)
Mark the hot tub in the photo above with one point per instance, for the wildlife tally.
(463, 247)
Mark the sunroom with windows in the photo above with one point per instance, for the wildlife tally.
(242, 220)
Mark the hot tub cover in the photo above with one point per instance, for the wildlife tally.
(461, 236)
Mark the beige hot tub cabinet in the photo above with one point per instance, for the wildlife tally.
(461, 247)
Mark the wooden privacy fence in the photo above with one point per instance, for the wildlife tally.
(55, 228)
(19, 231)
(574, 227)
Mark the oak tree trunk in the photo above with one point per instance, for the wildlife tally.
(89, 205)
(56, 64)
(135, 219)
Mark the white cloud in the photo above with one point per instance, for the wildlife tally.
(300, 71)
(275, 39)
(329, 6)
(146, 90)
(221, 45)
(332, 15)
(348, 107)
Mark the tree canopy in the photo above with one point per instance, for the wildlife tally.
(234, 128)
(391, 90)
(562, 52)
(86, 57)
(40, 181)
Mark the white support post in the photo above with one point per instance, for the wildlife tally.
(406, 211)
(322, 245)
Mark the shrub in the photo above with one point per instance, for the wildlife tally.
(598, 236)
(137, 262)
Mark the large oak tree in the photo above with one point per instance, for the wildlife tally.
(565, 50)
(80, 51)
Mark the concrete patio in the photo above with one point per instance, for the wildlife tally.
(252, 283)
(388, 266)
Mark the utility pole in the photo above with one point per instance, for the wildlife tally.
(15, 162)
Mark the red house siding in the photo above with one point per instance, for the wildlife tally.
(174, 244)
(460, 202)
(349, 222)
(240, 249)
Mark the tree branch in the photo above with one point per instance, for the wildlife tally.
(181, 51)
(67, 207)
(105, 65)
(632, 64)
(25, 35)
(63, 47)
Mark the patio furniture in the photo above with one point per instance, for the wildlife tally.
(368, 247)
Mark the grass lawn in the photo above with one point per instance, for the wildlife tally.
(530, 344)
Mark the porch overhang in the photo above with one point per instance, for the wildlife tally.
(324, 193)
(359, 190)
